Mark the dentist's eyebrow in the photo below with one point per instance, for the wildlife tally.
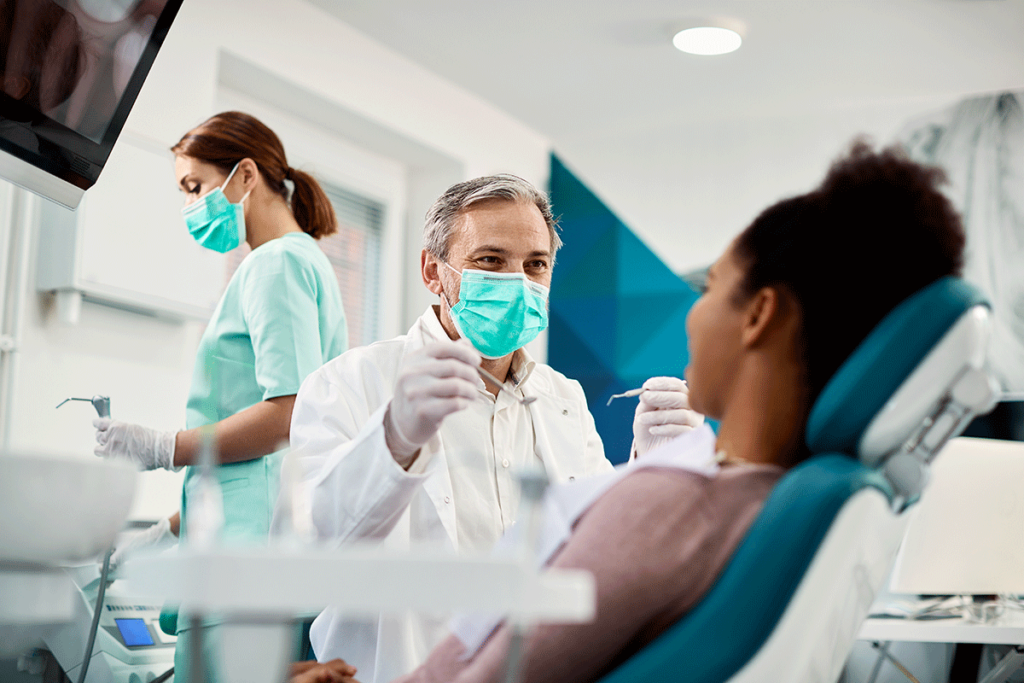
(497, 250)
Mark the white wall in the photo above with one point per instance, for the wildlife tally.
(432, 131)
(732, 169)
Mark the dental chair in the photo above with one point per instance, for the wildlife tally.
(788, 606)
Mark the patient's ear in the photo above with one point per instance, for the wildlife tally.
(761, 315)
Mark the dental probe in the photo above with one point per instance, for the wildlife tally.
(626, 394)
(629, 394)
(488, 377)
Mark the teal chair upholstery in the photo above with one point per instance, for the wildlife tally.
(753, 601)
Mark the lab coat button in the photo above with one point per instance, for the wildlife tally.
(504, 463)
(572, 478)
(447, 500)
(565, 412)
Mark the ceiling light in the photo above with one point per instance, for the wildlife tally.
(707, 40)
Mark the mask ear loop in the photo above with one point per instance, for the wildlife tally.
(230, 176)
(445, 294)
(228, 180)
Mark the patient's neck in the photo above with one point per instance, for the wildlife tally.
(764, 420)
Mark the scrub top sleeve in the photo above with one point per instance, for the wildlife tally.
(283, 318)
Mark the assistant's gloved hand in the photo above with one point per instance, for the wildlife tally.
(435, 381)
(154, 537)
(663, 414)
(147, 448)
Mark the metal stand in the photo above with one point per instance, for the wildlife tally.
(196, 672)
(532, 485)
(883, 655)
(1013, 660)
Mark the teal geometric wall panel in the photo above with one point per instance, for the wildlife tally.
(618, 313)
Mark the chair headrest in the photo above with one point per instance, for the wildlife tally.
(892, 381)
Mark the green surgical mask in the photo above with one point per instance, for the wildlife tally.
(499, 312)
(214, 222)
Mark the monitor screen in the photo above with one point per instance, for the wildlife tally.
(962, 535)
(134, 632)
(70, 71)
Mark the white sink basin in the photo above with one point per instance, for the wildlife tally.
(59, 509)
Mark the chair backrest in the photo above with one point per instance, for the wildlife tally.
(832, 517)
(913, 383)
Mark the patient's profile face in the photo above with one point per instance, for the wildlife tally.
(713, 330)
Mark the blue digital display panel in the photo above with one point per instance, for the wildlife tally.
(134, 632)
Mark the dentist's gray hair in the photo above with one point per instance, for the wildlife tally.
(442, 216)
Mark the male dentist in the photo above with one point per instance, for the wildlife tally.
(403, 442)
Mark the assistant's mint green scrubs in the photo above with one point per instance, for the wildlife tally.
(280, 319)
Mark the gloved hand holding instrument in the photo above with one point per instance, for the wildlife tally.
(663, 414)
(149, 449)
(436, 381)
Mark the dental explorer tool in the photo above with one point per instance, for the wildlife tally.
(629, 394)
(488, 377)
(626, 394)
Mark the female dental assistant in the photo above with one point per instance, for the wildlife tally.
(279, 319)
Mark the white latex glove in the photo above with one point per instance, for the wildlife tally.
(147, 448)
(155, 537)
(662, 414)
(434, 382)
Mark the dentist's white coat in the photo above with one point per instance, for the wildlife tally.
(359, 492)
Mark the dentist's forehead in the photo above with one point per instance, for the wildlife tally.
(501, 225)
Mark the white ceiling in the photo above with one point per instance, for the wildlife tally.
(601, 79)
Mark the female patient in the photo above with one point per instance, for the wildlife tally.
(786, 303)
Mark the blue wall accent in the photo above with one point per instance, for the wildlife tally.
(618, 313)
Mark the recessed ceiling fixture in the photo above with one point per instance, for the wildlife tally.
(707, 40)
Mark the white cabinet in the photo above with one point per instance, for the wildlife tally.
(126, 245)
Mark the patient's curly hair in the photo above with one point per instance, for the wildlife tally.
(875, 231)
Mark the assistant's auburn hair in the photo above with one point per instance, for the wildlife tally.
(226, 138)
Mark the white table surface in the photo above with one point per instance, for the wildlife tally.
(361, 580)
(1007, 629)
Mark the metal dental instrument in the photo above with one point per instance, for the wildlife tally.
(626, 394)
(629, 394)
(488, 377)
(100, 403)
